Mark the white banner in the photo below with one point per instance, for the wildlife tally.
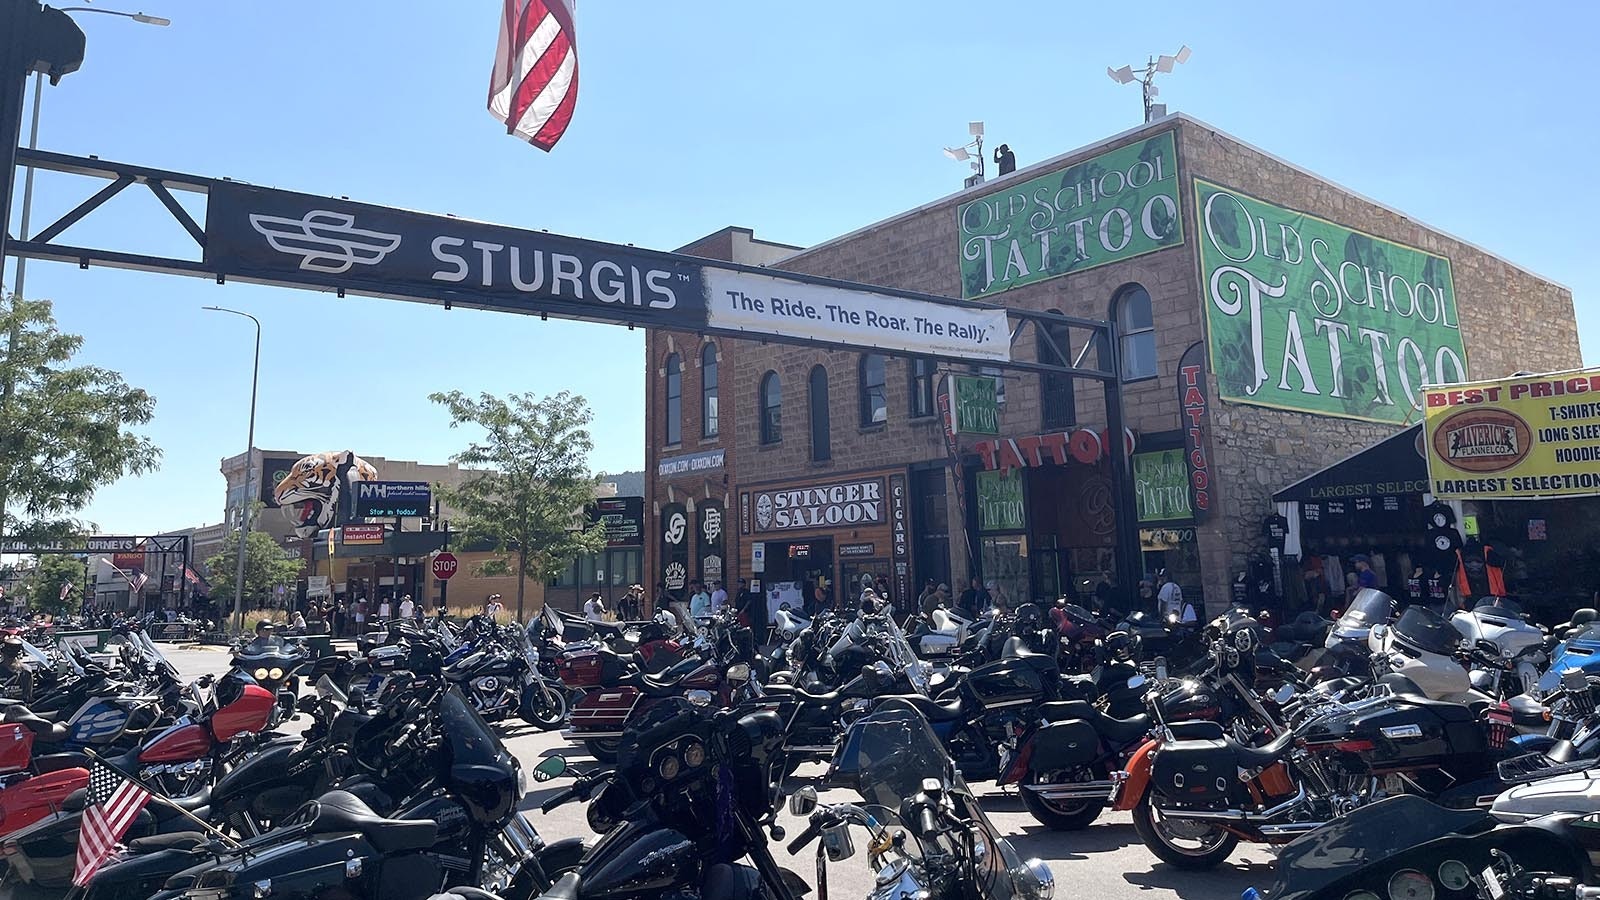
(745, 301)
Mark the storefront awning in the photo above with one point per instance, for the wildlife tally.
(1394, 465)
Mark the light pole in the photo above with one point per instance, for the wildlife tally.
(8, 386)
(249, 472)
(33, 130)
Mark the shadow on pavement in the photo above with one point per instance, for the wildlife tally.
(1225, 882)
(1037, 840)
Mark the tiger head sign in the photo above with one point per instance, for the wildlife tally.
(315, 486)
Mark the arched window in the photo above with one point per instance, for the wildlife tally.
(1054, 346)
(708, 391)
(1137, 331)
(922, 371)
(674, 399)
(874, 389)
(771, 409)
(821, 430)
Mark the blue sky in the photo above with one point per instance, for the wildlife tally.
(802, 121)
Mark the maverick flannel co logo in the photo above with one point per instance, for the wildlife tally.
(1483, 440)
(326, 241)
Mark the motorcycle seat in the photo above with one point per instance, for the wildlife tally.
(177, 840)
(799, 693)
(1261, 757)
(932, 710)
(1120, 731)
(55, 762)
(343, 811)
(940, 623)
(1447, 710)
(565, 888)
(44, 730)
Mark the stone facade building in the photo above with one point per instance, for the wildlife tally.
(1318, 314)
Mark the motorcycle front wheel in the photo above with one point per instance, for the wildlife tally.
(1182, 843)
(543, 709)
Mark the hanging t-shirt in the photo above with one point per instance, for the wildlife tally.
(1276, 530)
(1437, 584)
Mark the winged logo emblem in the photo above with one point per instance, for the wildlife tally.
(326, 241)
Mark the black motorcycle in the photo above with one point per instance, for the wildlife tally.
(684, 807)
(272, 662)
(459, 825)
(1405, 846)
(501, 675)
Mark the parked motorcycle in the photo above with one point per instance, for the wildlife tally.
(271, 662)
(1520, 646)
(947, 848)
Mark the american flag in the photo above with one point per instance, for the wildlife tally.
(534, 85)
(114, 801)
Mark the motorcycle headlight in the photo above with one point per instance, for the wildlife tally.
(275, 673)
(260, 674)
(1034, 880)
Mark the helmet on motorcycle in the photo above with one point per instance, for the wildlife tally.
(1119, 644)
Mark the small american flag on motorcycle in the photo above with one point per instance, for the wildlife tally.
(114, 801)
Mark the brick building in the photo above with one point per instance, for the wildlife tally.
(1317, 313)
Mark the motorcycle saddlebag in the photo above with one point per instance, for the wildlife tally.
(1064, 745)
(1195, 772)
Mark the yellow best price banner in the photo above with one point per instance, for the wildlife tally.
(1514, 438)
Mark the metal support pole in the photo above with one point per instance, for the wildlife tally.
(1130, 562)
(17, 18)
(249, 473)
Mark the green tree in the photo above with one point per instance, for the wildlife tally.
(64, 429)
(265, 567)
(527, 500)
(41, 583)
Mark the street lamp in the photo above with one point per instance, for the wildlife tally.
(33, 129)
(1161, 64)
(249, 471)
(961, 153)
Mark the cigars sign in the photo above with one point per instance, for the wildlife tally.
(820, 506)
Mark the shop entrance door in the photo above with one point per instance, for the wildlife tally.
(850, 573)
(795, 569)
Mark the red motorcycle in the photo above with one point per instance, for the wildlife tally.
(600, 716)
(28, 796)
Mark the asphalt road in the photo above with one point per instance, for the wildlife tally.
(1105, 861)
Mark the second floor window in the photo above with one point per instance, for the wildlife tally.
(771, 409)
(874, 389)
(821, 428)
(922, 402)
(674, 399)
(708, 391)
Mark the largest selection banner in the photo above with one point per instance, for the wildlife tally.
(1110, 207)
(1515, 438)
(1309, 315)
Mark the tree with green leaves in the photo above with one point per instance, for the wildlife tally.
(42, 582)
(266, 567)
(64, 429)
(527, 498)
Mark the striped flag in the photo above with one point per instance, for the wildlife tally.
(114, 801)
(534, 85)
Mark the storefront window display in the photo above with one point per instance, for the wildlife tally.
(1005, 566)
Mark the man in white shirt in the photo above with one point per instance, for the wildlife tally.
(407, 608)
(1170, 597)
(594, 609)
(719, 597)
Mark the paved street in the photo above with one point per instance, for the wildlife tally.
(1102, 862)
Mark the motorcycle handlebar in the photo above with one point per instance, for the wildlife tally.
(559, 799)
(812, 832)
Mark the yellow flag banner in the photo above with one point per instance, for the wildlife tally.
(1514, 438)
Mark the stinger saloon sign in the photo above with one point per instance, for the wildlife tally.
(820, 506)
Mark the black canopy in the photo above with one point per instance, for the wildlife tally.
(1394, 465)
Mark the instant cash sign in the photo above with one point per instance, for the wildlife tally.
(1514, 438)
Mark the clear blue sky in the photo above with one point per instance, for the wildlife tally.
(802, 121)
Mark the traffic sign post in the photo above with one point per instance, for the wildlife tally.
(444, 567)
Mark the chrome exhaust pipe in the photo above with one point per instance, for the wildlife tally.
(1289, 829)
(1239, 815)
(1086, 790)
(571, 735)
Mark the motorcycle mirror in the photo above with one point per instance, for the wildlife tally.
(1136, 682)
(699, 698)
(803, 801)
(1283, 694)
(549, 767)
(837, 841)
(1487, 647)
(1378, 630)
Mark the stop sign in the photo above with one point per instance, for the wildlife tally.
(444, 565)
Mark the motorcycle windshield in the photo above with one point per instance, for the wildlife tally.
(887, 755)
(1365, 837)
(1370, 606)
(1500, 607)
(1427, 631)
